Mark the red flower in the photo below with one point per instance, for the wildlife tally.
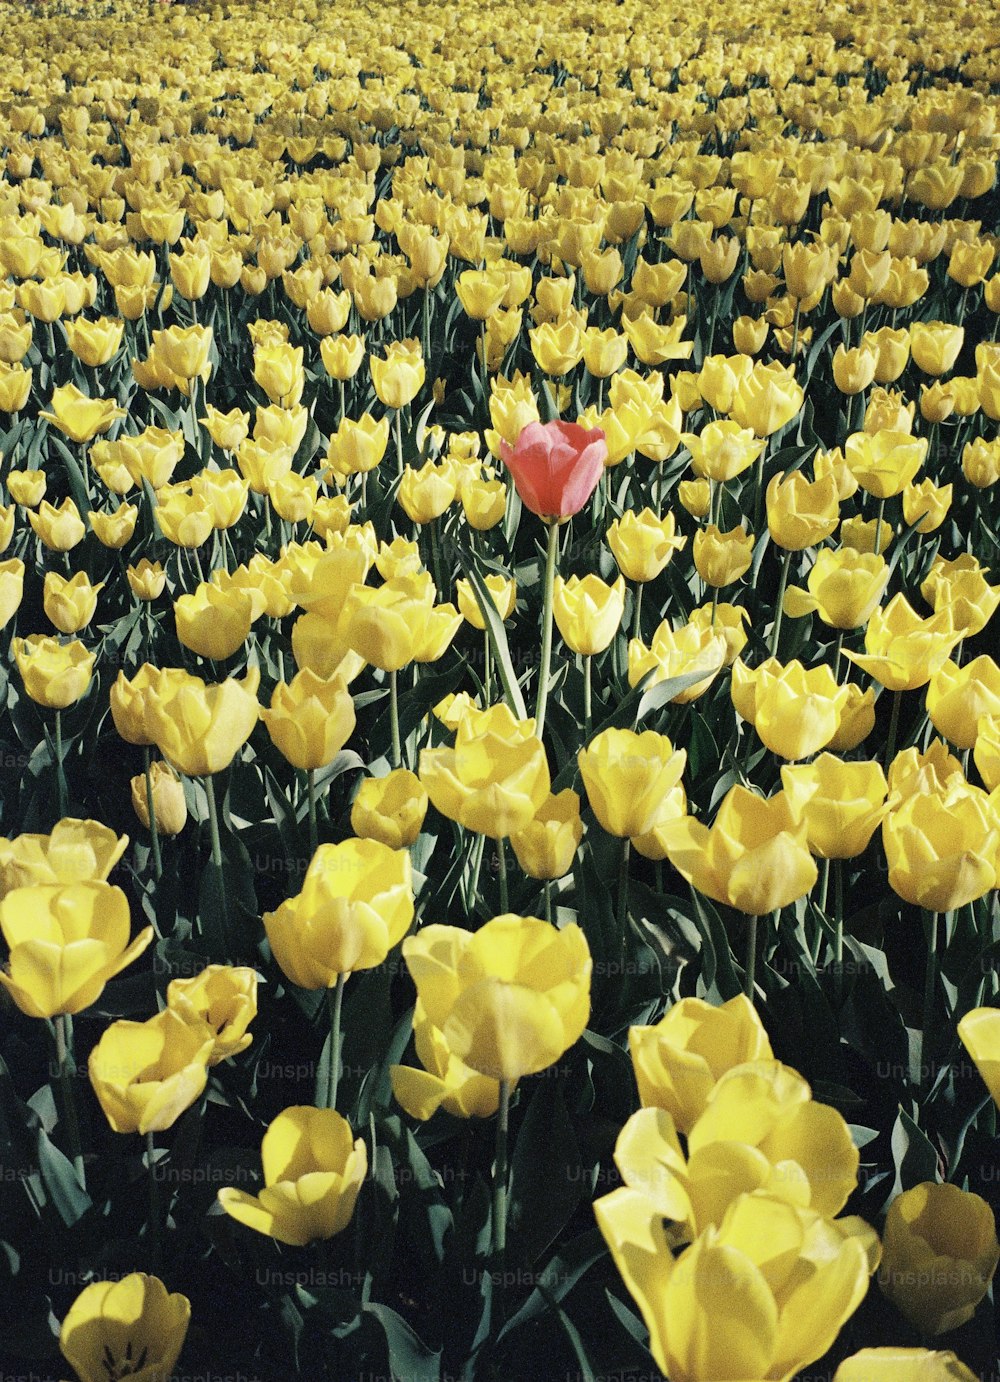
(556, 467)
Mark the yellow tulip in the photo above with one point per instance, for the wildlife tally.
(79, 417)
(310, 719)
(70, 604)
(842, 803)
(169, 805)
(942, 848)
(200, 728)
(113, 1327)
(444, 1082)
(390, 809)
(145, 1074)
(54, 674)
(221, 1000)
(795, 711)
(902, 650)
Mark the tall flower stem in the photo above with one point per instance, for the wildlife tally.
(587, 660)
(155, 1217)
(311, 795)
(750, 968)
(335, 999)
(63, 1059)
(397, 755)
(890, 743)
(60, 767)
(547, 894)
(151, 810)
(213, 822)
(399, 440)
(543, 671)
(500, 1173)
(926, 1050)
(779, 602)
(502, 856)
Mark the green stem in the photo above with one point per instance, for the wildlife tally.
(890, 743)
(502, 875)
(311, 794)
(476, 861)
(60, 768)
(637, 612)
(399, 441)
(63, 1048)
(155, 1218)
(547, 893)
(335, 999)
(930, 984)
(213, 822)
(795, 327)
(587, 660)
(487, 669)
(750, 968)
(397, 756)
(779, 611)
(623, 886)
(151, 810)
(543, 671)
(878, 526)
(500, 1174)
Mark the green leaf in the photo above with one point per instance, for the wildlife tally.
(546, 1173)
(59, 1177)
(409, 1357)
(495, 632)
(913, 1153)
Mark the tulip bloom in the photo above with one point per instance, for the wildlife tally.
(943, 848)
(643, 544)
(940, 1252)
(356, 904)
(221, 999)
(66, 941)
(795, 711)
(313, 1171)
(508, 999)
(678, 1062)
(958, 697)
(145, 1074)
(445, 1081)
(844, 587)
(546, 846)
(842, 803)
(131, 1327)
(694, 647)
(902, 1365)
(54, 674)
(588, 612)
(310, 719)
(800, 514)
(902, 650)
(390, 809)
(79, 417)
(200, 728)
(729, 1306)
(556, 467)
(629, 779)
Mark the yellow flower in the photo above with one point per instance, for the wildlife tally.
(96, 342)
(355, 905)
(184, 350)
(70, 604)
(844, 587)
(754, 858)
(902, 650)
(445, 1081)
(227, 430)
(66, 941)
(11, 588)
(546, 846)
(79, 417)
(169, 805)
(115, 1327)
(222, 999)
(214, 623)
(940, 1252)
(926, 505)
(145, 1074)
(842, 803)
(342, 355)
(629, 779)
(557, 347)
(642, 544)
(27, 487)
(398, 622)
(986, 752)
(935, 345)
(495, 779)
(400, 376)
(886, 462)
(795, 711)
(722, 450)
(958, 697)
(390, 809)
(766, 399)
(960, 586)
(424, 494)
(942, 847)
(54, 674)
(15, 387)
(902, 1365)
(678, 1062)
(310, 719)
(114, 529)
(74, 851)
(800, 514)
(722, 558)
(588, 612)
(357, 447)
(146, 579)
(313, 1172)
(503, 592)
(60, 529)
(279, 371)
(694, 647)
(200, 728)
(510, 998)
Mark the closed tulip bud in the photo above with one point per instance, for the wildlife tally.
(718, 258)
(722, 558)
(679, 1061)
(588, 612)
(356, 904)
(546, 846)
(749, 334)
(805, 268)
(695, 496)
(957, 697)
(313, 1173)
(146, 579)
(942, 847)
(310, 719)
(200, 728)
(70, 604)
(15, 387)
(169, 805)
(940, 1252)
(112, 1326)
(471, 984)
(390, 809)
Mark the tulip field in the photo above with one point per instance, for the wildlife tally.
(500, 691)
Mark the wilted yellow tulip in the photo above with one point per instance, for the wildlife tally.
(313, 1172)
(355, 905)
(940, 1252)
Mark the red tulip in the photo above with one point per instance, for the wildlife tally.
(556, 467)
